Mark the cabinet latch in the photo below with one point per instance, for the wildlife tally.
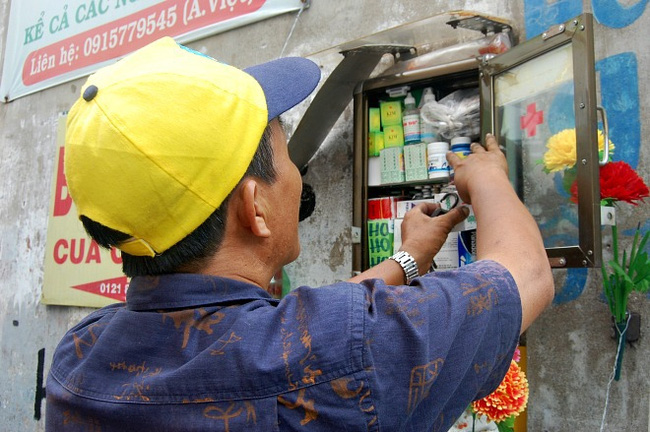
(356, 234)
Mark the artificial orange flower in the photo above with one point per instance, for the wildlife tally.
(509, 399)
(618, 182)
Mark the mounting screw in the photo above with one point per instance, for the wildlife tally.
(561, 28)
(590, 252)
(584, 161)
(575, 21)
(544, 35)
(582, 27)
(584, 263)
(582, 105)
(562, 261)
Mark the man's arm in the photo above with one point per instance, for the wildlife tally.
(506, 232)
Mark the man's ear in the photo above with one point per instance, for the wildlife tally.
(252, 211)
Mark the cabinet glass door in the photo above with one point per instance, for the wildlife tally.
(539, 100)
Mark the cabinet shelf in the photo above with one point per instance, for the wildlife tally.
(411, 183)
(403, 188)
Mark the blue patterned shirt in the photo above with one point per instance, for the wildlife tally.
(200, 353)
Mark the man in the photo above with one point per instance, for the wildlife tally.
(182, 163)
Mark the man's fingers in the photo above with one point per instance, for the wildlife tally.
(477, 148)
(428, 208)
(452, 159)
(456, 216)
(491, 143)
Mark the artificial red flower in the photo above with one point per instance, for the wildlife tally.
(509, 399)
(618, 182)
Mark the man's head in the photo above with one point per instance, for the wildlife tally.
(159, 140)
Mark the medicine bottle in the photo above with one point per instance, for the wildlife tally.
(437, 156)
(427, 131)
(461, 146)
(411, 120)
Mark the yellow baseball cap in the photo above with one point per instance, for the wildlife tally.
(159, 139)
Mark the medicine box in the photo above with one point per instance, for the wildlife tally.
(406, 205)
(447, 257)
(468, 224)
(466, 247)
(380, 240)
(393, 136)
(374, 120)
(382, 208)
(415, 162)
(392, 165)
(375, 143)
(391, 113)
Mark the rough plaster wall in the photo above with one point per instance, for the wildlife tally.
(570, 350)
(27, 151)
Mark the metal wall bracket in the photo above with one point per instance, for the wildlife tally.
(482, 24)
(607, 215)
(553, 31)
(333, 97)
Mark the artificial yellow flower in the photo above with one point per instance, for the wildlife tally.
(561, 153)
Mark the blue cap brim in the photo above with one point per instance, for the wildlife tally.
(286, 82)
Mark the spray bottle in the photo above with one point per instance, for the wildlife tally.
(411, 121)
(427, 132)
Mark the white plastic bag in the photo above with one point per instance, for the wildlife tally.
(457, 114)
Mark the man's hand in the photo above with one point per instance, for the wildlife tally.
(423, 235)
(481, 166)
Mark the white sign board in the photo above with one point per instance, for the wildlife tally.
(52, 42)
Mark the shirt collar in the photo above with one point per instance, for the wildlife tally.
(189, 290)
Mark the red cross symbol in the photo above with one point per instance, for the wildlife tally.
(531, 119)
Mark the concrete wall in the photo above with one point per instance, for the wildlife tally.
(570, 349)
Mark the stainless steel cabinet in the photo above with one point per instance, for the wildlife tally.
(528, 94)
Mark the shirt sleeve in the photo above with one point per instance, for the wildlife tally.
(443, 341)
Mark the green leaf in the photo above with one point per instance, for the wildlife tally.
(644, 240)
(569, 177)
(643, 286)
(620, 272)
(634, 250)
(626, 276)
(615, 241)
(507, 425)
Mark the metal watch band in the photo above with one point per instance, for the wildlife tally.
(408, 264)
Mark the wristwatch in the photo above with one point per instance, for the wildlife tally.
(408, 264)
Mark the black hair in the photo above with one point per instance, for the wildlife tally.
(191, 253)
